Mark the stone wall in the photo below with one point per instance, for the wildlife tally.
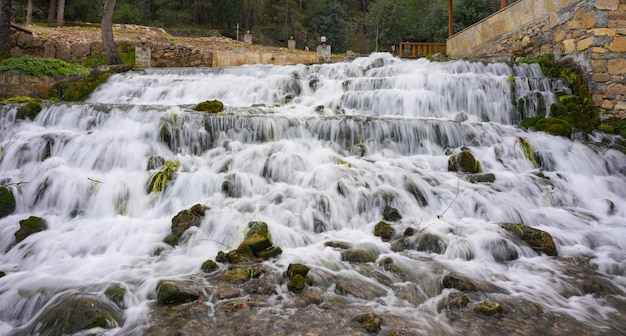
(591, 34)
(163, 54)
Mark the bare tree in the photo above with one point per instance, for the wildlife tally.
(51, 12)
(29, 12)
(60, 13)
(108, 41)
(5, 28)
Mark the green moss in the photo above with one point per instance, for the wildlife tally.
(257, 227)
(27, 107)
(296, 284)
(464, 162)
(240, 275)
(369, 321)
(30, 226)
(95, 60)
(159, 180)
(270, 252)
(210, 106)
(384, 230)
(169, 292)
(489, 308)
(555, 126)
(530, 122)
(528, 151)
(295, 269)
(538, 240)
(39, 66)
(606, 128)
(7, 202)
(209, 266)
(116, 294)
(77, 90)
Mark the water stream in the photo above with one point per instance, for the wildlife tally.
(316, 152)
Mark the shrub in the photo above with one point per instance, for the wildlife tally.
(39, 66)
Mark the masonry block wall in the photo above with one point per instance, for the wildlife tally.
(588, 33)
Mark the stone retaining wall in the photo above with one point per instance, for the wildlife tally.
(163, 55)
(589, 33)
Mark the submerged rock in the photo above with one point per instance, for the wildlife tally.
(489, 308)
(459, 282)
(7, 202)
(358, 256)
(184, 220)
(368, 321)
(457, 300)
(209, 266)
(74, 312)
(116, 294)
(538, 240)
(178, 291)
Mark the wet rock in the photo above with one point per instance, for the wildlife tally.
(489, 308)
(240, 275)
(209, 266)
(116, 294)
(501, 250)
(359, 287)
(296, 283)
(294, 269)
(456, 300)
(178, 291)
(30, 226)
(481, 178)
(460, 283)
(338, 245)
(71, 313)
(193, 318)
(225, 293)
(183, 221)
(384, 230)
(7, 202)
(464, 162)
(416, 191)
(358, 256)
(428, 242)
(155, 162)
(257, 244)
(391, 214)
(368, 321)
(210, 106)
(538, 240)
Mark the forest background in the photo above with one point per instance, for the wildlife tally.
(362, 26)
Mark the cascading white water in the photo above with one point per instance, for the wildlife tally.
(327, 145)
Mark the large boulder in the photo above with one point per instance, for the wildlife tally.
(538, 240)
(71, 313)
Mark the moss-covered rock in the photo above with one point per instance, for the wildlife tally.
(489, 308)
(7, 202)
(528, 151)
(69, 314)
(296, 283)
(210, 106)
(530, 122)
(158, 181)
(428, 242)
(384, 230)
(257, 244)
(465, 162)
(270, 252)
(368, 321)
(538, 240)
(391, 214)
(173, 292)
(30, 226)
(27, 107)
(295, 269)
(240, 275)
(184, 220)
(209, 266)
(258, 227)
(459, 282)
(456, 300)
(481, 178)
(554, 126)
(116, 294)
(358, 256)
(77, 89)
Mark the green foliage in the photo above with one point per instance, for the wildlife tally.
(618, 125)
(127, 54)
(529, 122)
(39, 66)
(333, 25)
(95, 60)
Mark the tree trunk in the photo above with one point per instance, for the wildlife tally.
(5, 29)
(108, 42)
(60, 13)
(29, 12)
(51, 12)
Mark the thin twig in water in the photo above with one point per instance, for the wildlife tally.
(92, 180)
(458, 187)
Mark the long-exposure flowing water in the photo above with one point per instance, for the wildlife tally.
(318, 152)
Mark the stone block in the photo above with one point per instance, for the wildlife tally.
(607, 4)
(617, 23)
(49, 49)
(607, 104)
(600, 77)
(63, 52)
(617, 66)
(598, 65)
(616, 89)
(603, 32)
(569, 46)
(559, 35)
(588, 20)
(79, 50)
(618, 45)
(598, 50)
(584, 44)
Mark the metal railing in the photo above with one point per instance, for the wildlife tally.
(420, 49)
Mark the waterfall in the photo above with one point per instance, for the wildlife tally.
(317, 152)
